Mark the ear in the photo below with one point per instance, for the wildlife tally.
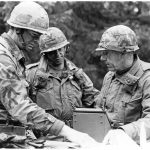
(67, 48)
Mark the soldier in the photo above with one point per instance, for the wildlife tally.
(27, 22)
(57, 85)
(125, 94)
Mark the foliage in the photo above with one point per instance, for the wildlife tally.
(84, 22)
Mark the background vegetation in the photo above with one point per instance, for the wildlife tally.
(84, 22)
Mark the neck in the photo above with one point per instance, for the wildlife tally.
(127, 68)
(12, 34)
(58, 68)
(120, 72)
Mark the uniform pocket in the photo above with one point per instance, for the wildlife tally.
(75, 84)
(44, 85)
(74, 94)
(135, 99)
(45, 97)
(133, 109)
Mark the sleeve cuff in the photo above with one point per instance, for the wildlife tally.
(57, 127)
(130, 130)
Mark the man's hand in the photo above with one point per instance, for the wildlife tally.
(118, 137)
(83, 139)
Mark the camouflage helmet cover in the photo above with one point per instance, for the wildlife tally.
(118, 38)
(29, 15)
(52, 40)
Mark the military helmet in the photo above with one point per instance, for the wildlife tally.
(29, 15)
(52, 40)
(118, 38)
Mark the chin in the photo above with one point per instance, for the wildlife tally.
(58, 64)
(110, 69)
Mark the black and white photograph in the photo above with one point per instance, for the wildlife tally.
(75, 75)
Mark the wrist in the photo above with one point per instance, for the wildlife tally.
(65, 131)
(121, 128)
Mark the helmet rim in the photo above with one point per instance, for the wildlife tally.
(58, 46)
(42, 31)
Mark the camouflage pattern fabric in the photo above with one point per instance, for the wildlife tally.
(118, 38)
(14, 101)
(52, 40)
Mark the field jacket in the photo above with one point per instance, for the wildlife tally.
(126, 99)
(59, 96)
(14, 101)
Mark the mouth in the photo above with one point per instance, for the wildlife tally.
(108, 66)
(58, 59)
(30, 46)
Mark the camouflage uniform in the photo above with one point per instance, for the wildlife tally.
(126, 97)
(18, 115)
(14, 101)
(60, 95)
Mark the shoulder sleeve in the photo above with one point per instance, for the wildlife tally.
(13, 95)
(31, 72)
(89, 92)
(133, 129)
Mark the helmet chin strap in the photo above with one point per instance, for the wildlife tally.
(21, 39)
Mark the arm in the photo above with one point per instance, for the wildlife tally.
(133, 129)
(16, 101)
(14, 97)
(83, 139)
(89, 92)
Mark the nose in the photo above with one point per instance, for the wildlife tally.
(103, 58)
(58, 53)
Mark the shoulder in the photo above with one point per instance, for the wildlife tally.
(6, 58)
(32, 66)
(145, 77)
(71, 66)
(146, 69)
(109, 74)
(31, 71)
(145, 65)
(108, 77)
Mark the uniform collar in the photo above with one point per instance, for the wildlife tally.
(13, 48)
(43, 65)
(133, 75)
(43, 68)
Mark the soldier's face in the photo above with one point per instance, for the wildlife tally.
(56, 57)
(30, 39)
(115, 61)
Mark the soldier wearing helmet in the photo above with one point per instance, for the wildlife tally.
(125, 92)
(59, 86)
(27, 21)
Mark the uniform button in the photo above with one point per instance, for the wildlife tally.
(104, 98)
(128, 81)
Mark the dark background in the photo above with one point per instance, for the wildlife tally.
(83, 24)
